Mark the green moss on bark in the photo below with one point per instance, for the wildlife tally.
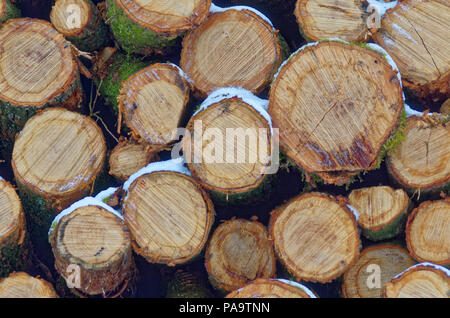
(134, 38)
(184, 284)
(11, 12)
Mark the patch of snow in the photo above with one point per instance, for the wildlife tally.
(182, 73)
(296, 285)
(354, 211)
(259, 104)
(403, 32)
(216, 9)
(105, 194)
(175, 165)
(88, 201)
(445, 270)
(381, 7)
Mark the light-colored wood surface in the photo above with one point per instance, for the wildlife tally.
(70, 17)
(169, 217)
(422, 160)
(22, 285)
(268, 288)
(36, 62)
(231, 48)
(229, 170)
(153, 102)
(415, 34)
(428, 232)
(378, 206)
(385, 260)
(58, 153)
(419, 282)
(325, 19)
(169, 17)
(12, 226)
(239, 252)
(315, 237)
(335, 105)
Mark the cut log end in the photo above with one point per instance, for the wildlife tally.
(379, 207)
(169, 217)
(170, 17)
(36, 65)
(427, 232)
(422, 161)
(226, 170)
(321, 19)
(59, 153)
(22, 285)
(153, 103)
(12, 220)
(70, 17)
(98, 242)
(419, 282)
(445, 108)
(239, 251)
(271, 288)
(325, 101)
(375, 267)
(315, 237)
(419, 45)
(231, 48)
(129, 157)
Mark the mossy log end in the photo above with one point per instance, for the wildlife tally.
(144, 27)
(239, 251)
(428, 232)
(386, 260)
(153, 103)
(315, 237)
(98, 242)
(231, 48)
(37, 70)
(272, 288)
(321, 19)
(186, 284)
(169, 217)
(336, 106)
(421, 163)
(13, 249)
(8, 11)
(419, 281)
(128, 157)
(237, 175)
(81, 23)
(56, 160)
(419, 46)
(22, 285)
(112, 69)
(383, 211)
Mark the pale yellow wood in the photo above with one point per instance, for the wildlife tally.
(428, 232)
(335, 105)
(169, 217)
(377, 264)
(22, 285)
(231, 48)
(268, 288)
(58, 153)
(325, 19)
(63, 16)
(36, 62)
(11, 213)
(378, 206)
(315, 237)
(419, 282)
(239, 251)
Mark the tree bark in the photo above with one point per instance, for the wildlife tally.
(8, 11)
(154, 28)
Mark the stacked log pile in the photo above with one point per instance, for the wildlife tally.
(179, 149)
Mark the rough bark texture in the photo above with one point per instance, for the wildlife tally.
(8, 11)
